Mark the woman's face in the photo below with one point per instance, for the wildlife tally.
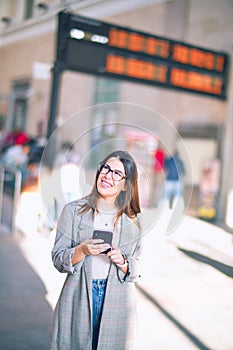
(107, 187)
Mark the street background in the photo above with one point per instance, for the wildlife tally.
(184, 297)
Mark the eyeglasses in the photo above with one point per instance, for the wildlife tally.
(117, 175)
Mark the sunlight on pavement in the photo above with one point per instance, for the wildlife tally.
(192, 293)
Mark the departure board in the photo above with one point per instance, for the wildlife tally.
(95, 47)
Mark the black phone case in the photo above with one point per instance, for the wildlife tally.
(105, 235)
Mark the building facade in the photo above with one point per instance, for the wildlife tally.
(91, 109)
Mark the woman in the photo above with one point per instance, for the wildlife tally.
(96, 308)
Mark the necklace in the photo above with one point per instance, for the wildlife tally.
(106, 217)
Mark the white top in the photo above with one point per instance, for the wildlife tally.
(101, 263)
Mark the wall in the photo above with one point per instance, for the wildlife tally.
(206, 23)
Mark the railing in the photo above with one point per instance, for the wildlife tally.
(10, 188)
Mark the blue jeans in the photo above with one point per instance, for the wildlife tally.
(173, 190)
(98, 293)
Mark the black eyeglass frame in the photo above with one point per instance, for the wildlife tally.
(108, 168)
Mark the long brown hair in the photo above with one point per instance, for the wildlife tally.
(128, 200)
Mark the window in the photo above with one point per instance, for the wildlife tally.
(29, 6)
(19, 105)
(105, 113)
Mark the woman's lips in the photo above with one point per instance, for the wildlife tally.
(105, 183)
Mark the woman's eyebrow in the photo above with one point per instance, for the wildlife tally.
(114, 169)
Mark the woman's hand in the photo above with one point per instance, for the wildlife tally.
(89, 247)
(93, 246)
(116, 256)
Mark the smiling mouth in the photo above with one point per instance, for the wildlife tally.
(105, 183)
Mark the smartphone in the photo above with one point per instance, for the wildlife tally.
(105, 235)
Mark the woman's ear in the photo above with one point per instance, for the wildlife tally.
(124, 187)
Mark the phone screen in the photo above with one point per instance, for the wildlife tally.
(105, 235)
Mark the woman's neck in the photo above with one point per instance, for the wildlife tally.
(105, 205)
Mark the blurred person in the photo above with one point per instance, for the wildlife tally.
(208, 189)
(49, 186)
(67, 154)
(64, 187)
(1, 139)
(29, 206)
(36, 150)
(174, 185)
(96, 308)
(30, 210)
(15, 137)
(65, 174)
(18, 156)
(41, 133)
(157, 175)
(31, 183)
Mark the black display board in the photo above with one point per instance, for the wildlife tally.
(95, 47)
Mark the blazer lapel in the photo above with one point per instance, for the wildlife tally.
(85, 229)
(129, 231)
(84, 232)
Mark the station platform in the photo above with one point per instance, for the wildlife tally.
(184, 297)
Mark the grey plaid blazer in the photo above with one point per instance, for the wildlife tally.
(72, 319)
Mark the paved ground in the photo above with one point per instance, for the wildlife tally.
(25, 313)
(188, 283)
(184, 297)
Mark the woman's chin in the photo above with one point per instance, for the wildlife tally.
(107, 196)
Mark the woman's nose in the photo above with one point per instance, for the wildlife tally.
(109, 175)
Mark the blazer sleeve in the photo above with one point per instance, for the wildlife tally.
(134, 266)
(133, 258)
(63, 250)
